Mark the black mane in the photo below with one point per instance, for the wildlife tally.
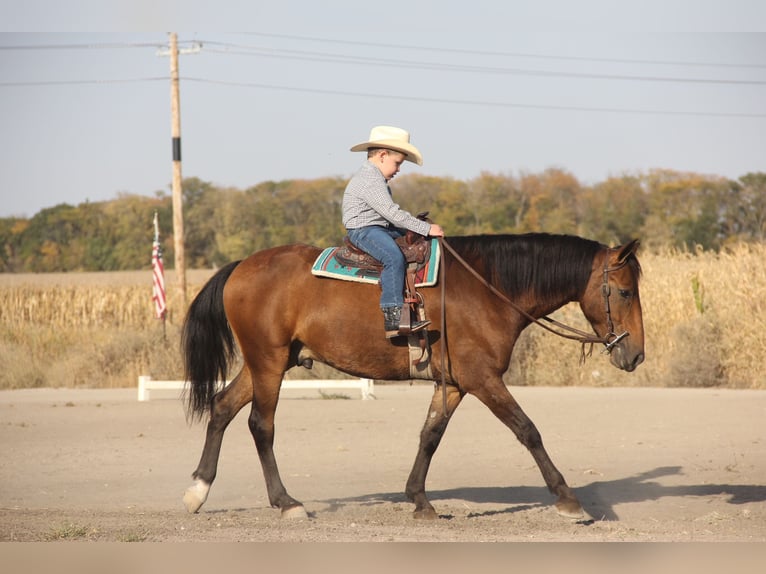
(541, 263)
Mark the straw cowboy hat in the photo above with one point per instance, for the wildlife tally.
(389, 137)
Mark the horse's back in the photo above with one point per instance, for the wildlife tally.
(281, 260)
(280, 279)
(270, 273)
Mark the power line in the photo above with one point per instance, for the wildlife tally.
(93, 46)
(512, 54)
(240, 49)
(341, 58)
(393, 97)
(445, 50)
(357, 60)
(79, 82)
(477, 102)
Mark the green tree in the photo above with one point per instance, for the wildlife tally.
(313, 209)
(234, 227)
(500, 204)
(200, 203)
(443, 198)
(614, 211)
(661, 207)
(553, 200)
(11, 230)
(685, 209)
(44, 240)
(270, 222)
(131, 230)
(746, 208)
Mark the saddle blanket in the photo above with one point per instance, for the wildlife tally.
(327, 266)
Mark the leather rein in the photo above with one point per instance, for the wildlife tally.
(609, 340)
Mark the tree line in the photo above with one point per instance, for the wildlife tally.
(663, 208)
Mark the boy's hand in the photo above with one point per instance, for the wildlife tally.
(436, 231)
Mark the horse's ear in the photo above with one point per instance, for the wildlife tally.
(627, 250)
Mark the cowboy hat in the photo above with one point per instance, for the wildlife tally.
(389, 137)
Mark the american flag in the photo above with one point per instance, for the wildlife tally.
(158, 274)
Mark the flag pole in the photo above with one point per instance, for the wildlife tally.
(158, 278)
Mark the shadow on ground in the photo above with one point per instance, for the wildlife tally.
(598, 498)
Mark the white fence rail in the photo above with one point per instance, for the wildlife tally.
(366, 386)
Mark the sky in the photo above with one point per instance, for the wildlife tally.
(596, 88)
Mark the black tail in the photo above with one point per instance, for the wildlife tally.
(207, 343)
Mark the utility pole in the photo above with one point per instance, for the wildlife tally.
(178, 217)
(178, 213)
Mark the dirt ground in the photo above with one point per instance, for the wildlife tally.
(648, 465)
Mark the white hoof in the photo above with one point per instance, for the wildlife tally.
(196, 495)
(294, 513)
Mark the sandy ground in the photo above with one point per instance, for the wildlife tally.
(647, 464)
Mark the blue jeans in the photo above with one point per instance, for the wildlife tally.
(379, 242)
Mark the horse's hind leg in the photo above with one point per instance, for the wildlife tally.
(225, 405)
(499, 400)
(261, 423)
(430, 437)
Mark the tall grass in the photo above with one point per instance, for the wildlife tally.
(88, 329)
(704, 320)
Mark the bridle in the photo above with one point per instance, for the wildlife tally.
(609, 340)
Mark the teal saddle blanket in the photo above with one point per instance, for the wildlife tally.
(326, 265)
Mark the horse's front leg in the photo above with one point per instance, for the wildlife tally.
(224, 407)
(261, 423)
(499, 400)
(430, 437)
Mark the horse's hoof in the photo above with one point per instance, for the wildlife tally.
(425, 514)
(570, 508)
(196, 495)
(294, 512)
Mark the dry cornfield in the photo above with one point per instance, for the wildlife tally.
(112, 300)
(704, 320)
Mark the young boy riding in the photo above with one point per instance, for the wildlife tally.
(373, 221)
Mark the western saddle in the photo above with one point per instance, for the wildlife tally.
(416, 249)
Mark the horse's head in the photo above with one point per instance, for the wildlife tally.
(612, 304)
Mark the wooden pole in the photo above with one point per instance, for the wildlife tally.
(178, 218)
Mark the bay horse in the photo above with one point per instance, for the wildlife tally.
(280, 315)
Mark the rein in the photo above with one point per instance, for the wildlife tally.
(609, 340)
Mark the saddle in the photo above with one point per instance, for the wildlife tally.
(416, 249)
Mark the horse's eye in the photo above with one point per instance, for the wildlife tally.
(625, 293)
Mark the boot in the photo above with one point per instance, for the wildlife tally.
(393, 317)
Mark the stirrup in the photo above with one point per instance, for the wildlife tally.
(413, 328)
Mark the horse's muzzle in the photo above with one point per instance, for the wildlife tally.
(620, 353)
(611, 344)
(625, 359)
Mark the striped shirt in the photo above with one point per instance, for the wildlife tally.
(368, 201)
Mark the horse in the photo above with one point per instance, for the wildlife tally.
(491, 287)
